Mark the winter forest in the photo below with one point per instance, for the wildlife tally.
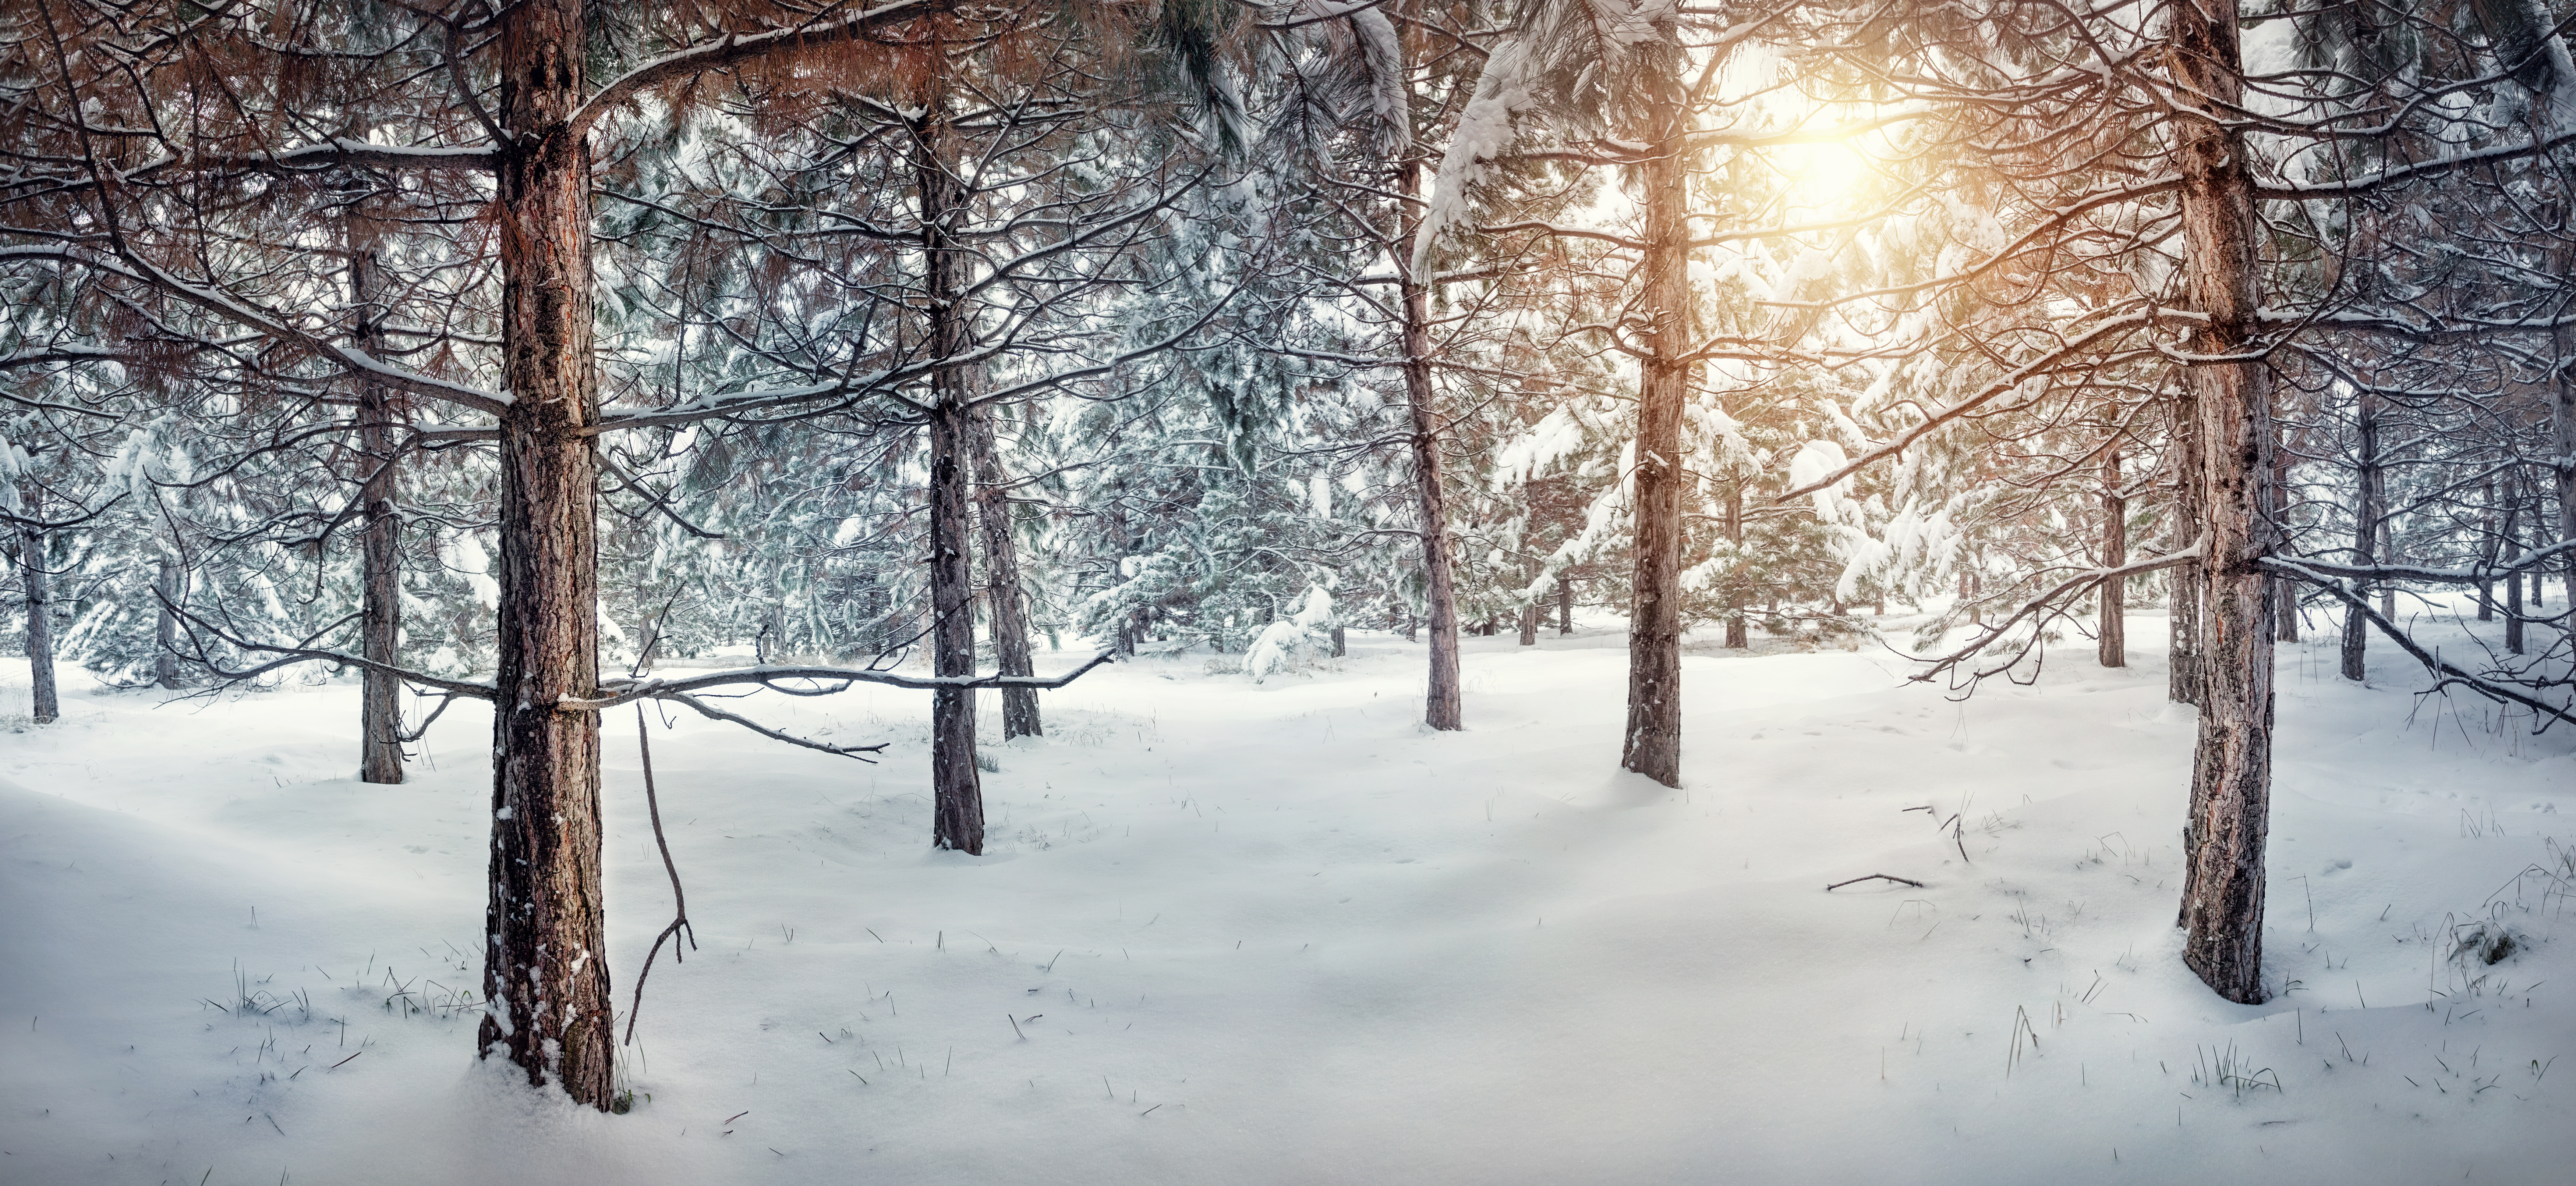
(1089, 548)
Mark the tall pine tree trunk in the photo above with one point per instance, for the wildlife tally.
(2183, 615)
(2562, 424)
(2486, 549)
(1530, 613)
(1653, 743)
(2232, 763)
(1009, 614)
(545, 973)
(1737, 638)
(2111, 630)
(957, 789)
(2365, 531)
(380, 757)
(171, 579)
(1564, 605)
(44, 703)
(2510, 550)
(2285, 590)
(1444, 704)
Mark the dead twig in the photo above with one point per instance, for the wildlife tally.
(1875, 877)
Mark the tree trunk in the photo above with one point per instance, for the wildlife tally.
(545, 973)
(2183, 609)
(2222, 907)
(2112, 627)
(1564, 606)
(1529, 624)
(172, 581)
(1002, 594)
(2285, 591)
(380, 756)
(1444, 705)
(2365, 532)
(2510, 548)
(1737, 638)
(2387, 546)
(2562, 423)
(957, 788)
(2486, 549)
(43, 702)
(1653, 743)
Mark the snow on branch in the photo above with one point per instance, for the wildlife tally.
(2371, 573)
(2050, 605)
(2002, 385)
(627, 691)
(735, 48)
(301, 652)
(2445, 673)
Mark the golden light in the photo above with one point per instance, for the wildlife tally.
(1824, 173)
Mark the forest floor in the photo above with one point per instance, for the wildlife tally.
(1242, 933)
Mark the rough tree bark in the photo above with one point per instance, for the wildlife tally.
(2562, 424)
(1564, 606)
(545, 973)
(2486, 548)
(2111, 630)
(957, 788)
(2183, 614)
(2366, 513)
(44, 703)
(1003, 599)
(1653, 743)
(380, 756)
(2222, 910)
(2509, 548)
(1444, 704)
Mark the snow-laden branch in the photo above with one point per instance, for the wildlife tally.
(303, 652)
(2445, 673)
(627, 691)
(2048, 603)
(2368, 573)
(734, 48)
(2401, 174)
(2108, 328)
(357, 362)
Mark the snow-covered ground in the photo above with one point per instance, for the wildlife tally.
(1280, 933)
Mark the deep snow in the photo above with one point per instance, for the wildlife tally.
(1281, 933)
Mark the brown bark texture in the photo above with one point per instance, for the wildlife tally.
(1006, 605)
(545, 972)
(1444, 705)
(957, 788)
(380, 756)
(1652, 745)
(2182, 618)
(2232, 763)
(2111, 628)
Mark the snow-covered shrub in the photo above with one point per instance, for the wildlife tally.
(1293, 641)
